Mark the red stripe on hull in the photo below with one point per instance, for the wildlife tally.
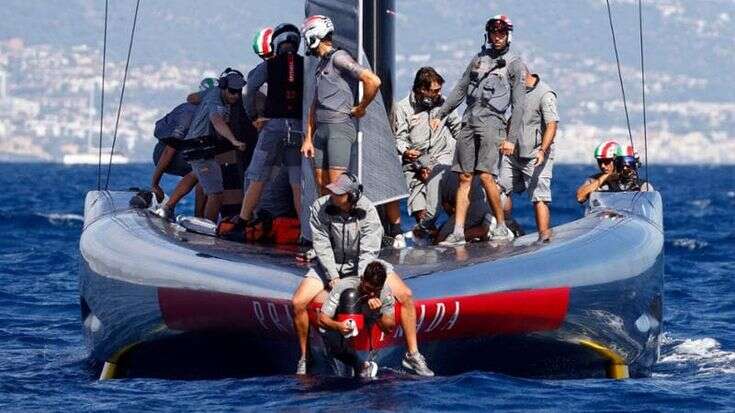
(511, 312)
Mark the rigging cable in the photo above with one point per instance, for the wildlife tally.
(122, 93)
(620, 73)
(643, 87)
(102, 100)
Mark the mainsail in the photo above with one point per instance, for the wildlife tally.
(376, 161)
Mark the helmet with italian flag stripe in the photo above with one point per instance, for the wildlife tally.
(316, 28)
(262, 43)
(608, 150)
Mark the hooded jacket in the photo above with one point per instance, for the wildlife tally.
(413, 130)
(345, 243)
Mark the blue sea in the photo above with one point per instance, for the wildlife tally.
(44, 364)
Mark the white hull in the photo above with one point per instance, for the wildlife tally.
(90, 158)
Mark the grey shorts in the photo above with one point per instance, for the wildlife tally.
(317, 272)
(478, 147)
(520, 174)
(334, 144)
(209, 174)
(275, 148)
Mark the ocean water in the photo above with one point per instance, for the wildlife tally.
(44, 365)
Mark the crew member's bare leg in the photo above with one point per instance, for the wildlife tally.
(404, 295)
(493, 196)
(211, 209)
(182, 188)
(462, 201)
(251, 199)
(200, 200)
(543, 219)
(305, 293)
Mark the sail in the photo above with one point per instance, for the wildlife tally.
(376, 160)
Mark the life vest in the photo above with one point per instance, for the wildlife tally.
(285, 86)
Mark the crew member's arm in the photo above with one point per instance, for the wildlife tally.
(370, 81)
(224, 130)
(455, 98)
(371, 234)
(321, 242)
(589, 186)
(551, 118)
(307, 148)
(163, 163)
(256, 78)
(387, 320)
(516, 74)
(453, 123)
(194, 98)
(328, 323)
(401, 129)
(370, 86)
(329, 308)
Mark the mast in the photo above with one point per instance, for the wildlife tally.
(378, 34)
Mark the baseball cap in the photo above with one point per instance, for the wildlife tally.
(343, 185)
(235, 81)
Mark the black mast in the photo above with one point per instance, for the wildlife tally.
(378, 24)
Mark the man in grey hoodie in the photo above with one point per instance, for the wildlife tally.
(346, 234)
(426, 153)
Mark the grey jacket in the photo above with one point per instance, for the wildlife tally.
(345, 243)
(490, 89)
(413, 130)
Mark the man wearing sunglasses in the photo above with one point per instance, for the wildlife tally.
(207, 126)
(492, 84)
(607, 178)
(426, 153)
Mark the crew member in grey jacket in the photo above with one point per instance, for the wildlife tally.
(346, 233)
(491, 84)
(530, 167)
(426, 153)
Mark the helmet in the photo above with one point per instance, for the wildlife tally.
(262, 43)
(207, 83)
(626, 157)
(499, 23)
(285, 32)
(629, 151)
(608, 150)
(316, 28)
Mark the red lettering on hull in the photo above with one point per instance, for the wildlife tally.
(511, 312)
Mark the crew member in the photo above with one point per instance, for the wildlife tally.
(492, 83)
(280, 129)
(479, 220)
(426, 153)
(330, 128)
(371, 297)
(171, 130)
(209, 123)
(530, 167)
(346, 234)
(606, 179)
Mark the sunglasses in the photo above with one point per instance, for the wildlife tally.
(369, 290)
(234, 91)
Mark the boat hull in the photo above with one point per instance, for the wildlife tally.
(153, 295)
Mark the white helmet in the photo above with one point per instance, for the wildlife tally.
(316, 28)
